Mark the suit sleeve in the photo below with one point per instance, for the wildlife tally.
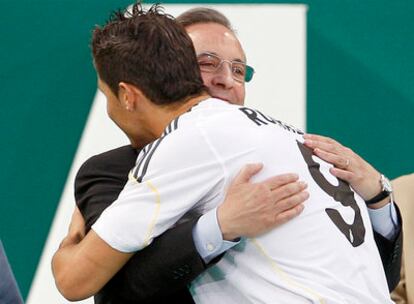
(100, 180)
(391, 254)
(166, 266)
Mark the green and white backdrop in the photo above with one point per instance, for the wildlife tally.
(343, 68)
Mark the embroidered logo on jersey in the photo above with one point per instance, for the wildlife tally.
(144, 158)
(260, 119)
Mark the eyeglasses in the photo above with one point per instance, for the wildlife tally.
(210, 63)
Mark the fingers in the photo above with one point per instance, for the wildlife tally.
(246, 173)
(315, 137)
(331, 151)
(345, 175)
(326, 146)
(251, 209)
(325, 143)
(286, 216)
(290, 208)
(280, 180)
(288, 190)
(342, 164)
(334, 159)
(291, 201)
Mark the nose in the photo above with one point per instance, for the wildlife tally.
(223, 77)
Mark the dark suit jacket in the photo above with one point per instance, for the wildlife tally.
(161, 272)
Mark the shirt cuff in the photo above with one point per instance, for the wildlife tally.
(208, 238)
(385, 220)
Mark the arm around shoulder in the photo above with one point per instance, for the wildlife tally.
(82, 268)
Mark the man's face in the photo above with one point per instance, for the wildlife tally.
(216, 39)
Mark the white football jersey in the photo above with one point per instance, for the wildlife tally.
(325, 255)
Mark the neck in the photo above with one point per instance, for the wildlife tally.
(161, 116)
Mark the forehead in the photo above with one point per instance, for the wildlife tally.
(216, 38)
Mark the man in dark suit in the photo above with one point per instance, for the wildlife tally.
(161, 272)
(9, 292)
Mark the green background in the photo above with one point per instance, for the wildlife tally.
(360, 76)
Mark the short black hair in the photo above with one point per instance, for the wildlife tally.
(149, 49)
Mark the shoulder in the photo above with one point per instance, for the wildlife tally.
(108, 167)
(119, 159)
(119, 155)
(100, 180)
(183, 146)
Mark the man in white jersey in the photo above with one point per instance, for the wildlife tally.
(323, 258)
(213, 140)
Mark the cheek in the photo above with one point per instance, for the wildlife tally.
(206, 78)
(240, 93)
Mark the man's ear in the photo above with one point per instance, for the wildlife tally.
(129, 95)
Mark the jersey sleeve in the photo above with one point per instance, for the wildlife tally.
(173, 176)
